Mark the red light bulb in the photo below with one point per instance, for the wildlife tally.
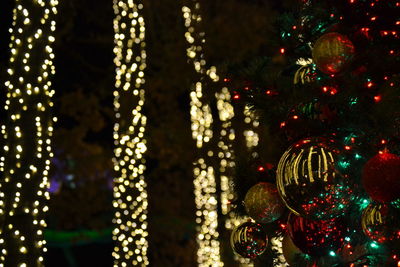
(377, 98)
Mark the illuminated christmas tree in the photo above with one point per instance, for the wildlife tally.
(328, 101)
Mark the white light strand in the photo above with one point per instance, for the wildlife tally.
(130, 195)
(251, 134)
(27, 133)
(205, 190)
(226, 154)
(206, 199)
(276, 245)
(226, 157)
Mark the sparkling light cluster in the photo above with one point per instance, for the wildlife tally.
(251, 134)
(27, 132)
(130, 195)
(226, 157)
(202, 120)
(205, 186)
(276, 246)
(226, 152)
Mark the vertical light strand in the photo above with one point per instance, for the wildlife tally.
(27, 132)
(205, 185)
(226, 154)
(226, 157)
(276, 245)
(130, 195)
(251, 135)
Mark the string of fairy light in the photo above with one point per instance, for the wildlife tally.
(250, 134)
(226, 154)
(130, 195)
(27, 133)
(204, 182)
(276, 246)
(226, 157)
(205, 185)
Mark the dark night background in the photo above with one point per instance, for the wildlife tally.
(348, 94)
(83, 145)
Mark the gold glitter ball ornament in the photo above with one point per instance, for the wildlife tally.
(263, 203)
(331, 52)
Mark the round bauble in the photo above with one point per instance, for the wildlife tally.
(380, 177)
(381, 222)
(263, 203)
(316, 238)
(249, 240)
(331, 52)
(309, 182)
(317, 111)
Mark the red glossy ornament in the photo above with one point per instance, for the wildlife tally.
(316, 237)
(380, 177)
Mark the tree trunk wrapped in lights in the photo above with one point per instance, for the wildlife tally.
(27, 132)
(203, 127)
(130, 195)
